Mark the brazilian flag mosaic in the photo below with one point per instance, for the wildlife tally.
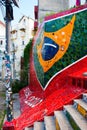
(59, 43)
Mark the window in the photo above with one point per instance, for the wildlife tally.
(24, 21)
(1, 42)
(22, 42)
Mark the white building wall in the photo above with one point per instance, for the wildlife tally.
(72, 3)
(2, 36)
(2, 48)
(47, 7)
(23, 33)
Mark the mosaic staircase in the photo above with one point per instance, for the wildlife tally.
(72, 117)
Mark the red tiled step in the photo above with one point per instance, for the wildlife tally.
(48, 106)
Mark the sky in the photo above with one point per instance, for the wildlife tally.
(26, 7)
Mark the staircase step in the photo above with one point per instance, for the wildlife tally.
(39, 126)
(81, 106)
(77, 121)
(85, 97)
(30, 128)
(61, 121)
(50, 123)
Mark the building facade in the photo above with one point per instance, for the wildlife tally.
(2, 48)
(49, 7)
(20, 36)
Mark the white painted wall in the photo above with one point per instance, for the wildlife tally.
(19, 36)
(72, 3)
(2, 47)
(54, 6)
(2, 36)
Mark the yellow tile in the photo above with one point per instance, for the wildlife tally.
(57, 125)
(82, 110)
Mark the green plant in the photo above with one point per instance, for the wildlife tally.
(2, 116)
(17, 85)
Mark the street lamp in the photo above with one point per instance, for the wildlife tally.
(16, 2)
(8, 18)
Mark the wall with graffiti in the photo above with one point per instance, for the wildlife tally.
(60, 41)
